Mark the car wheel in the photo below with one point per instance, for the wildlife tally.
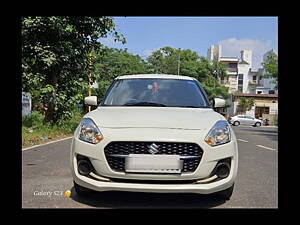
(82, 191)
(236, 123)
(258, 124)
(225, 194)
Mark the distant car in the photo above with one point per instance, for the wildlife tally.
(245, 120)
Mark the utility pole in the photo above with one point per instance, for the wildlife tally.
(90, 71)
(178, 63)
(215, 73)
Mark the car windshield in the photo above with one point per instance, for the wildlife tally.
(156, 92)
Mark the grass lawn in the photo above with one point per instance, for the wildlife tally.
(35, 132)
(42, 135)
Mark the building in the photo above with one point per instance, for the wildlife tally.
(265, 106)
(214, 52)
(230, 81)
(237, 69)
(244, 81)
(258, 84)
(241, 76)
(244, 68)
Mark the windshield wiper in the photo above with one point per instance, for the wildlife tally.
(144, 104)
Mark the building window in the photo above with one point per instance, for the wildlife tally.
(259, 111)
(271, 92)
(240, 82)
(222, 80)
(254, 78)
(232, 65)
(259, 92)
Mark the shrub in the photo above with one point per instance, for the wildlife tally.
(34, 119)
(69, 125)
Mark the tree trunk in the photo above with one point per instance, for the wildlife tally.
(51, 79)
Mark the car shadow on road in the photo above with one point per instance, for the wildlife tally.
(125, 200)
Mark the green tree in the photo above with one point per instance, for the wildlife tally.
(218, 70)
(54, 59)
(165, 60)
(112, 63)
(271, 67)
(245, 104)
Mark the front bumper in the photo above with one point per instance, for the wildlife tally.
(210, 157)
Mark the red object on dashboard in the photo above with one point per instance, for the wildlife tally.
(154, 87)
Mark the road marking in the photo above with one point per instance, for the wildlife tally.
(50, 142)
(266, 147)
(241, 140)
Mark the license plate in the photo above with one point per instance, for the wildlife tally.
(143, 163)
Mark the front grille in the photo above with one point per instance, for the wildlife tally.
(165, 148)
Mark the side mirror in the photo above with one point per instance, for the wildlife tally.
(90, 100)
(219, 102)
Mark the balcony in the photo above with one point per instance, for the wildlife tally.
(253, 82)
(231, 70)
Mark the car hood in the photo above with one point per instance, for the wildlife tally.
(154, 117)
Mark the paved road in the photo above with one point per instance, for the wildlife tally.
(46, 175)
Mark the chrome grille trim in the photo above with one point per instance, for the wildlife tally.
(180, 157)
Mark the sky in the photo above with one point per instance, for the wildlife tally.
(147, 34)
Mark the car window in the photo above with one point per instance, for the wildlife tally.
(167, 92)
(249, 117)
(240, 116)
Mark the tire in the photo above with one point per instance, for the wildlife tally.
(236, 123)
(225, 194)
(82, 191)
(257, 124)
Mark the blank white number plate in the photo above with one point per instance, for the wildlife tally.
(144, 163)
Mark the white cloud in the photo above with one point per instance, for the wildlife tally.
(233, 46)
(148, 52)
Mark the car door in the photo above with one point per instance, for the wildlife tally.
(241, 119)
(249, 120)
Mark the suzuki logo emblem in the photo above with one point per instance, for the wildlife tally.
(153, 149)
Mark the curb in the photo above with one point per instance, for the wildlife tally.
(50, 142)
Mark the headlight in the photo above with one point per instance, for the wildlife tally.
(89, 132)
(219, 134)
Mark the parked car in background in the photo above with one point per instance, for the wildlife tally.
(245, 120)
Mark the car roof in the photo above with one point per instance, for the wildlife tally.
(161, 76)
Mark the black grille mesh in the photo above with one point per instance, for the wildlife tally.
(165, 148)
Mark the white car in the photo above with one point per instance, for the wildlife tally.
(245, 120)
(154, 133)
